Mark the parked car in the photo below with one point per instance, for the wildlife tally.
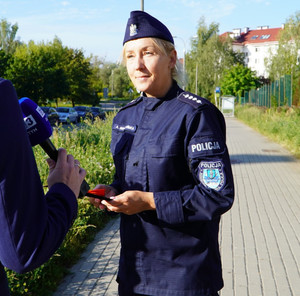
(98, 112)
(67, 114)
(52, 114)
(84, 112)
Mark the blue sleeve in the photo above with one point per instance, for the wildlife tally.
(32, 225)
(212, 192)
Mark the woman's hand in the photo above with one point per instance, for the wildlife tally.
(131, 202)
(109, 192)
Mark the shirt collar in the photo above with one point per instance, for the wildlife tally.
(151, 103)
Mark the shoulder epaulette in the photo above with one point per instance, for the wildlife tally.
(191, 99)
(131, 103)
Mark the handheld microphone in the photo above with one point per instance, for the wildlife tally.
(39, 130)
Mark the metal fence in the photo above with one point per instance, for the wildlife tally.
(275, 94)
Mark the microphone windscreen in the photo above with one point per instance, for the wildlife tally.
(36, 122)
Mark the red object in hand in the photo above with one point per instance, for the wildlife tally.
(97, 193)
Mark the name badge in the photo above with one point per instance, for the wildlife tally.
(124, 128)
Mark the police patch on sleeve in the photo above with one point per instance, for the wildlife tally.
(211, 174)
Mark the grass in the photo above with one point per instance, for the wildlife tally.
(90, 145)
(281, 125)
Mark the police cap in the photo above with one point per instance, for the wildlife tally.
(142, 25)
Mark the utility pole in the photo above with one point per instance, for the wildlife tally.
(196, 84)
(142, 5)
(112, 83)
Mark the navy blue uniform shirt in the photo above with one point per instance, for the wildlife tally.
(176, 148)
(32, 225)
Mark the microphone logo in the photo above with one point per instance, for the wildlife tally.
(40, 111)
(29, 122)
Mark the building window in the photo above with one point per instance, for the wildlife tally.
(264, 37)
(254, 37)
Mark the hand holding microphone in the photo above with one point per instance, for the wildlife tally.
(64, 168)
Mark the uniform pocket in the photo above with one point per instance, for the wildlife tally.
(167, 166)
(166, 148)
(120, 147)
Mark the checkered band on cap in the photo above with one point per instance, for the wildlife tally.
(141, 25)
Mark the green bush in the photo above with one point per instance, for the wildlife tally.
(89, 144)
(280, 124)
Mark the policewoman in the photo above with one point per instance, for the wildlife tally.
(173, 176)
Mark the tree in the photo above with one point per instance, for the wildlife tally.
(51, 71)
(237, 80)
(35, 72)
(5, 59)
(287, 58)
(106, 73)
(120, 83)
(102, 74)
(209, 57)
(96, 82)
(78, 73)
(8, 34)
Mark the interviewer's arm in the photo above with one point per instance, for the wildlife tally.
(32, 225)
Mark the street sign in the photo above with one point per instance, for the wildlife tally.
(105, 92)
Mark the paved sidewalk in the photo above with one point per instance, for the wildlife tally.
(96, 271)
(259, 236)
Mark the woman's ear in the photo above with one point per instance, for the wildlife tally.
(173, 59)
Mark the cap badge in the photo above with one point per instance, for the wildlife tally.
(133, 30)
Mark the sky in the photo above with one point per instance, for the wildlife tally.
(97, 26)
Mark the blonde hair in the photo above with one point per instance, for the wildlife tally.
(164, 47)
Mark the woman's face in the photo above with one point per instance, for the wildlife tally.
(148, 68)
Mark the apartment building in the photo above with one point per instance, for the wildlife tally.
(256, 45)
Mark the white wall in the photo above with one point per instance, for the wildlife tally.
(255, 55)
